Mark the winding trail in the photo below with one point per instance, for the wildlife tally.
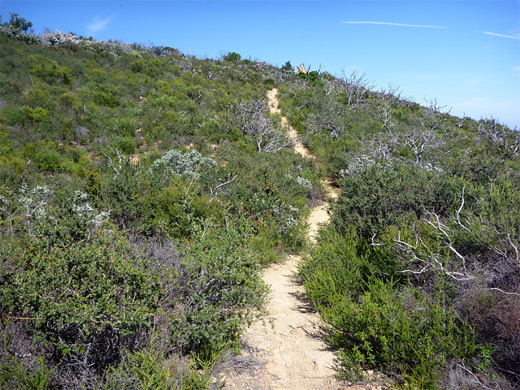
(291, 353)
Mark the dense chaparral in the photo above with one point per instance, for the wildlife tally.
(142, 191)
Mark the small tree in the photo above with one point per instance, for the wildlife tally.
(19, 23)
(288, 67)
(232, 56)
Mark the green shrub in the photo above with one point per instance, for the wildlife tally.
(288, 67)
(232, 56)
(14, 375)
(14, 115)
(400, 332)
(87, 292)
(176, 211)
(5, 143)
(376, 320)
(49, 70)
(151, 369)
(121, 195)
(375, 197)
(36, 114)
(223, 286)
(127, 145)
(138, 65)
(68, 99)
(312, 76)
(48, 160)
(106, 99)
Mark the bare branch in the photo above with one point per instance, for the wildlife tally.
(382, 146)
(503, 252)
(326, 121)
(514, 247)
(503, 292)
(505, 141)
(221, 185)
(457, 215)
(386, 99)
(425, 259)
(24, 172)
(433, 106)
(418, 140)
(462, 121)
(443, 229)
(121, 159)
(111, 165)
(251, 116)
(355, 86)
(474, 377)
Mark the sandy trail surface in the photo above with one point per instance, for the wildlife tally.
(288, 351)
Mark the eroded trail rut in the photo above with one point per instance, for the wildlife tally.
(289, 352)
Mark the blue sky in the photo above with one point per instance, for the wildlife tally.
(465, 54)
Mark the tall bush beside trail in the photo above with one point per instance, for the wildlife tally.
(340, 266)
(378, 196)
(375, 320)
(221, 286)
(401, 332)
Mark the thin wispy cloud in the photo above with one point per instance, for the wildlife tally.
(399, 24)
(99, 24)
(501, 35)
(473, 82)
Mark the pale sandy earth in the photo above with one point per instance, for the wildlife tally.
(287, 352)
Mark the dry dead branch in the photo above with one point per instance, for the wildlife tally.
(121, 159)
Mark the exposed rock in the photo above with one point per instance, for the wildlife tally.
(81, 131)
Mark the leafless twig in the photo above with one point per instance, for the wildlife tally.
(473, 375)
(251, 117)
(121, 159)
(503, 292)
(457, 215)
(24, 172)
(221, 185)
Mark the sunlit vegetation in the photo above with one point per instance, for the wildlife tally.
(142, 191)
(135, 211)
(418, 274)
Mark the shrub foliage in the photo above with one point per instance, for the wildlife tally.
(141, 191)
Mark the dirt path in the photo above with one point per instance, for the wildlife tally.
(289, 353)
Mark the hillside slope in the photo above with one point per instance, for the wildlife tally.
(418, 273)
(142, 192)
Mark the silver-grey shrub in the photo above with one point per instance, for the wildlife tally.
(175, 163)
